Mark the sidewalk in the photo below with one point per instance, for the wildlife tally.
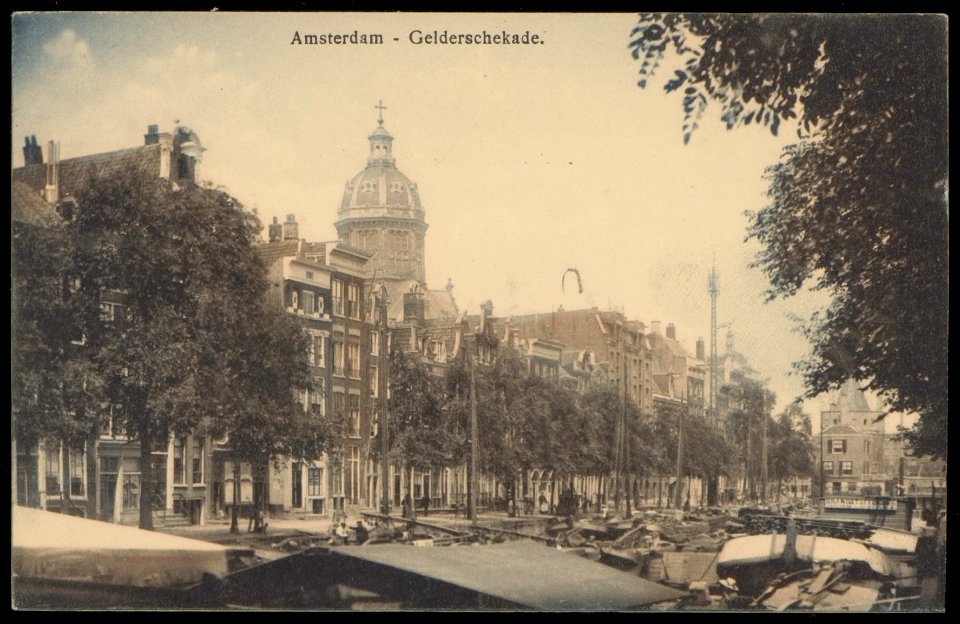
(219, 530)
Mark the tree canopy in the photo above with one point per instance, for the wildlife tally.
(165, 307)
(858, 206)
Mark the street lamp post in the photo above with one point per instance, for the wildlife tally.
(383, 390)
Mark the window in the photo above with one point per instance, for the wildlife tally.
(338, 297)
(131, 483)
(338, 357)
(197, 459)
(52, 470)
(846, 468)
(294, 298)
(308, 302)
(296, 482)
(374, 382)
(312, 352)
(355, 415)
(110, 312)
(320, 348)
(309, 275)
(838, 446)
(77, 472)
(338, 404)
(178, 471)
(316, 399)
(353, 360)
(112, 425)
(353, 474)
(828, 467)
(374, 343)
(353, 301)
(314, 479)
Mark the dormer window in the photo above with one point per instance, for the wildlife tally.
(396, 187)
(368, 187)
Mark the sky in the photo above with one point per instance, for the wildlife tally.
(529, 159)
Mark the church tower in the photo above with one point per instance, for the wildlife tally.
(381, 214)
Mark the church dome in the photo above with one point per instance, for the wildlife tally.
(381, 185)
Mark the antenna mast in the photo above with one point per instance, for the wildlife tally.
(712, 286)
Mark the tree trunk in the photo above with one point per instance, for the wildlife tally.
(235, 510)
(146, 471)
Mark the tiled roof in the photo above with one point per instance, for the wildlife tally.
(26, 206)
(439, 304)
(77, 173)
(273, 251)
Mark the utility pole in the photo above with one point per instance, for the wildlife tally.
(621, 435)
(714, 290)
(676, 493)
(763, 446)
(384, 391)
(821, 463)
(473, 482)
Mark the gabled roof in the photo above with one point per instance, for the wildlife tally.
(26, 206)
(841, 430)
(76, 173)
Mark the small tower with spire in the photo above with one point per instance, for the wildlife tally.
(381, 141)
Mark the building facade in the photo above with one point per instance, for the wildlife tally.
(101, 477)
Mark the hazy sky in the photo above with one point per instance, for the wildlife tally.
(529, 159)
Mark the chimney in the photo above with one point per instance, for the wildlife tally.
(32, 154)
(655, 327)
(671, 331)
(290, 229)
(701, 353)
(275, 232)
(413, 306)
(52, 190)
(153, 135)
(486, 311)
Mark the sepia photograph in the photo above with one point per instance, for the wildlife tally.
(389, 311)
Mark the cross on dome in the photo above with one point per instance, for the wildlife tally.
(382, 108)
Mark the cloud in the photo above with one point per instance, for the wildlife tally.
(69, 52)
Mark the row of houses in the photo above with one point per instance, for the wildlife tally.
(333, 288)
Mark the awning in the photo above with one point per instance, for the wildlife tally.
(59, 547)
(525, 573)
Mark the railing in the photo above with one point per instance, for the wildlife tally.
(851, 502)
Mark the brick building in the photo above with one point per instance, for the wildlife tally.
(102, 479)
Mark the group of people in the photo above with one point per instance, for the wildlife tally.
(408, 509)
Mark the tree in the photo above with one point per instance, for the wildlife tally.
(198, 347)
(750, 403)
(792, 449)
(858, 207)
(419, 434)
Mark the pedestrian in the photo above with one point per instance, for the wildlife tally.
(425, 503)
(361, 532)
(510, 507)
(544, 504)
(408, 510)
(341, 533)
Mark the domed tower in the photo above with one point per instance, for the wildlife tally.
(381, 213)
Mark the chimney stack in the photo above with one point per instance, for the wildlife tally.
(671, 331)
(153, 135)
(701, 352)
(52, 190)
(275, 232)
(32, 154)
(655, 327)
(290, 229)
